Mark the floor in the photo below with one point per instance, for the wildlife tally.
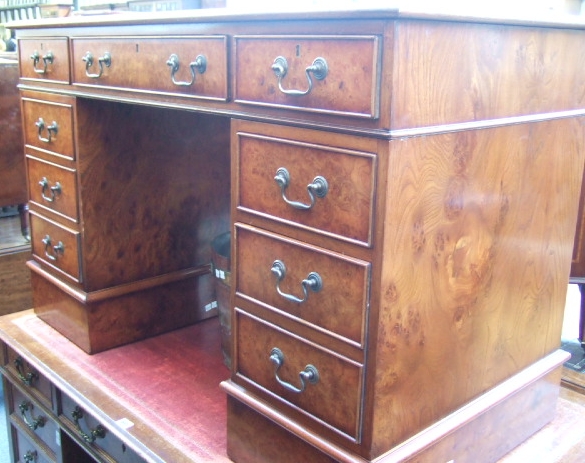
(563, 441)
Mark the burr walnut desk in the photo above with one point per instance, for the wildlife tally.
(402, 192)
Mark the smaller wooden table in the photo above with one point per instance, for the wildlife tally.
(160, 397)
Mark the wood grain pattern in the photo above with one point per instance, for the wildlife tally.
(448, 72)
(492, 252)
(140, 63)
(58, 71)
(149, 204)
(347, 208)
(349, 88)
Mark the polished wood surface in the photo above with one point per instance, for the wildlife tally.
(447, 229)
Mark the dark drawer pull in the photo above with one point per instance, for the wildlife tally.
(317, 189)
(309, 375)
(98, 433)
(312, 282)
(200, 64)
(27, 378)
(30, 456)
(59, 248)
(54, 190)
(319, 69)
(51, 129)
(47, 59)
(33, 423)
(102, 60)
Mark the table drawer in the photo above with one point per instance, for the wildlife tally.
(56, 246)
(95, 434)
(49, 125)
(334, 399)
(326, 74)
(146, 63)
(45, 59)
(53, 187)
(33, 417)
(317, 287)
(28, 450)
(325, 188)
(33, 382)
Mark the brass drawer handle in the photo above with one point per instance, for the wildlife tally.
(51, 129)
(30, 456)
(102, 60)
(309, 375)
(33, 423)
(54, 190)
(47, 59)
(317, 189)
(27, 378)
(98, 433)
(200, 64)
(59, 248)
(312, 282)
(319, 69)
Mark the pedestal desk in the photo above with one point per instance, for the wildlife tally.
(402, 193)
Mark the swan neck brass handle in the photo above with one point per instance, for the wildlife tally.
(59, 248)
(47, 59)
(310, 375)
(54, 190)
(33, 423)
(317, 189)
(319, 70)
(26, 378)
(52, 129)
(98, 433)
(199, 65)
(105, 60)
(313, 282)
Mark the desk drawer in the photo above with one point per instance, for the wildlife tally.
(49, 125)
(142, 63)
(335, 399)
(94, 434)
(28, 450)
(45, 59)
(56, 246)
(35, 384)
(35, 419)
(326, 188)
(53, 187)
(327, 74)
(335, 300)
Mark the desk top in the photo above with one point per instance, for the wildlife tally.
(338, 10)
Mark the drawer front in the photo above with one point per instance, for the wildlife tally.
(49, 126)
(33, 382)
(55, 246)
(325, 290)
(327, 189)
(334, 400)
(53, 187)
(139, 63)
(94, 434)
(27, 450)
(35, 419)
(327, 74)
(45, 59)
